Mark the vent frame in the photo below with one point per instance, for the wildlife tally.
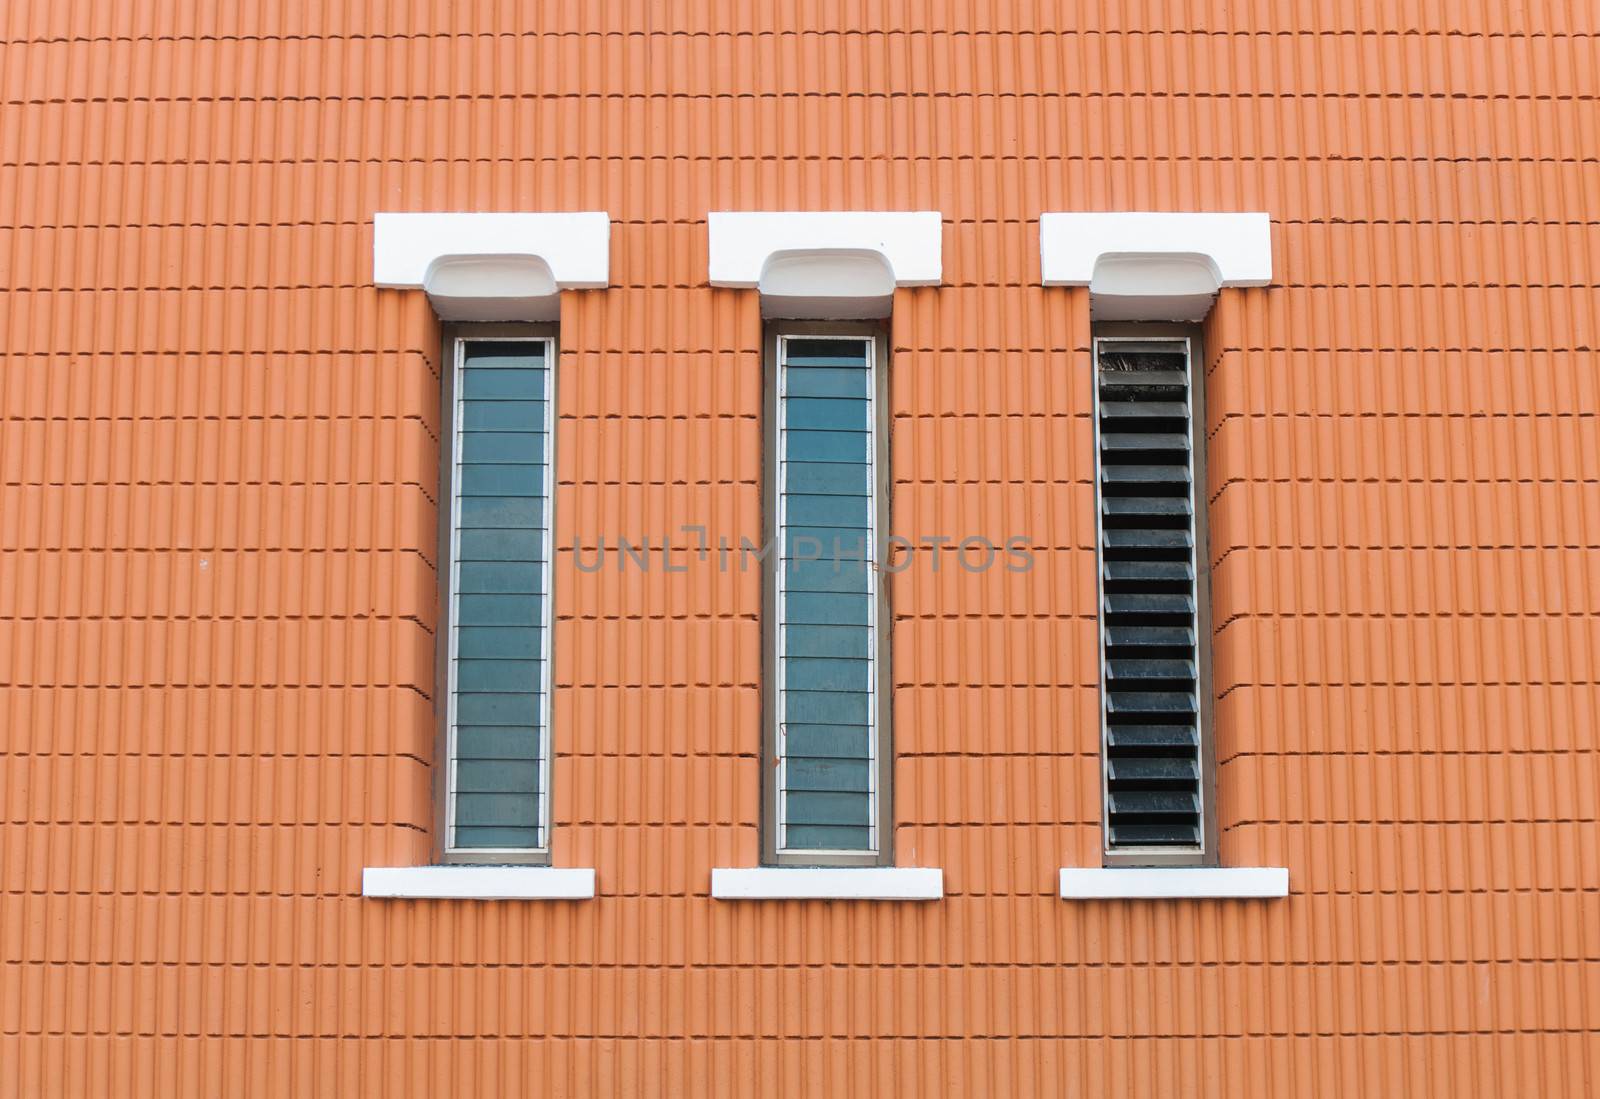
(1186, 339)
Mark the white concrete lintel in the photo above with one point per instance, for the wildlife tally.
(492, 266)
(825, 263)
(1154, 265)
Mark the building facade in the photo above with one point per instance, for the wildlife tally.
(985, 547)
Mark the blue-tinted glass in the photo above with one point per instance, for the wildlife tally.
(499, 479)
(497, 675)
(519, 809)
(500, 610)
(502, 415)
(829, 574)
(826, 837)
(827, 609)
(498, 709)
(826, 741)
(503, 446)
(828, 807)
(827, 707)
(825, 641)
(505, 512)
(508, 838)
(827, 382)
(835, 775)
(500, 577)
(498, 742)
(810, 673)
(826, 446)
(504, 354)
(811, 543)
(822, 351)
(503, 544)
(501, 583)
(498, 776)
(827, 413)
(826, 479)
(852, 514)
(500, 642)
(502, 385)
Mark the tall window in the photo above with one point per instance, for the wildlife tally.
(1156, 749)
(826, 687)
(495, 646)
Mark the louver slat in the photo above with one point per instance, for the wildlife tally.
(1163, 542)
(1149, 627)
(1136, 573)
(1130, 510)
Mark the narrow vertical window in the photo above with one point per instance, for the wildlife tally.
(500, 402)
(826, 692)
(1150, 499)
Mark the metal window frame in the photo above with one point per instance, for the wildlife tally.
(1190, 334)
(882, 741)
(456, 337)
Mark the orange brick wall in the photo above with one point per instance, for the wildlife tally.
(218, 506)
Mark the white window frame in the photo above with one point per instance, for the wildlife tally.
(457, 337)
(774, 771)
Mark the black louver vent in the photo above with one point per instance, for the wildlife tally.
(1148, 598)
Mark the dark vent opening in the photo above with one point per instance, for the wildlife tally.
(1150, 678)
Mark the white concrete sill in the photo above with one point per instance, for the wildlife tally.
(832, 883)
(478, 883)
(1089, 883)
